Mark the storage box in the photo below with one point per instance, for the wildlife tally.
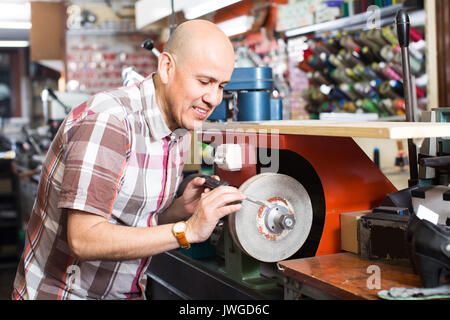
(349, 230)
(382, 237)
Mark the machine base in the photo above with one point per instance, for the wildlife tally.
(174, 276)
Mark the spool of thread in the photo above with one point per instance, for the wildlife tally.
(370, 73)
(348, 106)
(367, 105)
(339, 76)
(422, 81)
(376, 36)
(325, 60)
(378, 70)
(389, 72)
(351, 7)
(389, 35)
(375, 49)
(396, 67)
(335, 61)
(349, 59)
(317, 96)
(418, 46)
(382, 111)
(359, 71)
(321, 79)
(363, 5)
(375, 84)
(333, 45)
(310, 78)
(399, 106)
(416, 54)
(314, 62)
(386, 106)
(386, 90)
(415, 35)
(397, 87)
(415, 65)
(347, 41)
(363, 37)
(327, 107)
(420, 92)
(349, 91)
(337, 94)
(351, 74)
(365, 90)
(333, 92)
(368, 56)
(327, 74)
(312, 46)
(306, 67)
(387, 52)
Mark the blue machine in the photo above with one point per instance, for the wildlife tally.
(250, 92)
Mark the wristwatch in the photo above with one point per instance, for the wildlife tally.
(179, 230)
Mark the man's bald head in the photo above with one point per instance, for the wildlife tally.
(194, 35)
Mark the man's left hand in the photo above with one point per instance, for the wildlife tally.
(192, 193)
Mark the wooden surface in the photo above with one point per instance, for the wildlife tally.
(345, 275)
(363, 129)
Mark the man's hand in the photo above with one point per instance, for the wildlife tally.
(212, 206)
(192, 193)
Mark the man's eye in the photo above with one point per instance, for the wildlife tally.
(203, 82)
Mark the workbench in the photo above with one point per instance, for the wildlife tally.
(304, 148)
(343, 276)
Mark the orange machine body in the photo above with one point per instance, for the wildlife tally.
(339, 176)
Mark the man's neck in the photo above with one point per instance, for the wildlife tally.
(162, 103)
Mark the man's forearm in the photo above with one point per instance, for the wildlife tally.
(92, 237)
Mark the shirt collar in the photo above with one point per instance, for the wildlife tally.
(152, 112)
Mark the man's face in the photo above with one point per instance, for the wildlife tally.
(196, 88)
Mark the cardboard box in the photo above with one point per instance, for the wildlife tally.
(349, 230)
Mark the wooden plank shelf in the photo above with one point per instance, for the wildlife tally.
(363, 129)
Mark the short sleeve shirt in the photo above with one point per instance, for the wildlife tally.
(113, 156)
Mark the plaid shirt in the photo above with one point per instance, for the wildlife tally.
(113, 156)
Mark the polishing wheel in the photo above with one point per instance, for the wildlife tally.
(272, 233)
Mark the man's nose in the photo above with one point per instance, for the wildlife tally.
(213, 97)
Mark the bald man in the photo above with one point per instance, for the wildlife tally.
(106, 196)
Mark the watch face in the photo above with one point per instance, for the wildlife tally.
(179, 227)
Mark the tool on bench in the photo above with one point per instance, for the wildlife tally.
(213, 183)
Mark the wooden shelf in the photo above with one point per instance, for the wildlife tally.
(376, 129)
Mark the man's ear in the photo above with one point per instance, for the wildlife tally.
(166, 66)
